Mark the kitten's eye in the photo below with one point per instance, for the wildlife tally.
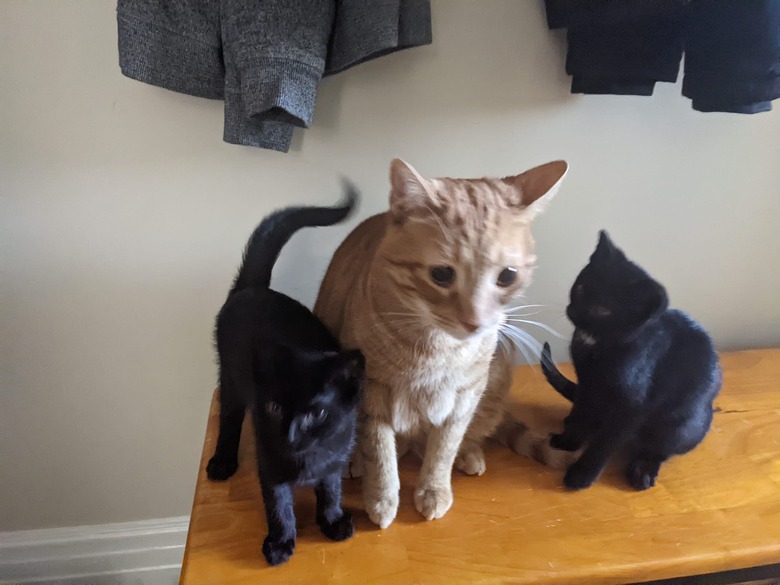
(443, 276)
(507, 277)
(272, 407)
(321, 415)
(599, 311)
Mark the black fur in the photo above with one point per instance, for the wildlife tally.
(647, 375)
(280, 362)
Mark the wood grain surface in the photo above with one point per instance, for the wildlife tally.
(715, 509)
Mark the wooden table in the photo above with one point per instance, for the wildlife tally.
(715, 509)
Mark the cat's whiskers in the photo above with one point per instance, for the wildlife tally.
(521, 307)
(524, 310)
(522, 341)
(547, 328)
(513, 347)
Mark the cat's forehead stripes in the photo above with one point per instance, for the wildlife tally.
(407, 264)
(472, 206)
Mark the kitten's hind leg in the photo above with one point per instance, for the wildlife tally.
(279, 544)
(575, 431)
(642, 471)
(231, 415)
(334, 522)
(583, 472)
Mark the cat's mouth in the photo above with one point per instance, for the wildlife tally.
(464, 331)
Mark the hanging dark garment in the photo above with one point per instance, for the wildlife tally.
(732, 49)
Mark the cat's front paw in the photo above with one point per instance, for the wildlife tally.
(577, 478)
(278, 551)
(220, 468)
(641, 475)
(433, 502)
(339, 530)
(382, 510)
(471, 460)
(563, 442)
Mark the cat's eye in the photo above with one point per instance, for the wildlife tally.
(507, 277)
(272, 407)
(599, 311)
(443, 276)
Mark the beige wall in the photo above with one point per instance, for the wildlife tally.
(123, 217)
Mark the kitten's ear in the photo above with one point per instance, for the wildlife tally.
(408, 189)
(604, 247)
(537, 186)
(606, 250)
(656, 301)
(346, 372)
(604, 240)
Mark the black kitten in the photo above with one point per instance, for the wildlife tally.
(647, 375)
(279, 360)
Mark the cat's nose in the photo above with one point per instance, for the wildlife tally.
(470, 326)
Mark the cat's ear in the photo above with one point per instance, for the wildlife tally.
(537, 186)
(408, 190)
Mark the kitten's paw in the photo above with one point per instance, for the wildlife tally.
(641, 474)
(577, 479)
(339, 530)
(433, 502)
(563, 443)
(219, 468)
(471, 460)
(277, 551)
(382, 510)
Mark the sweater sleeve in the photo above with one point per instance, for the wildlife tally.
(367, 29)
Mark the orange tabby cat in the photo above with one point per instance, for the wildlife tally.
(422, 291)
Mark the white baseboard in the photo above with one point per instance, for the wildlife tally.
(148, 552)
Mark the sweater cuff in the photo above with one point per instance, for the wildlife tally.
(246, 131)
(280, 90)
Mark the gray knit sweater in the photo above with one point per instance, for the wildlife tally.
(263, 57)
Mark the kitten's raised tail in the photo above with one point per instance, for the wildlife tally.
(275, 231)
(561, 383)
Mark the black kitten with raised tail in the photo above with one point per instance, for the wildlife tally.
(647, 375)
(278, 360)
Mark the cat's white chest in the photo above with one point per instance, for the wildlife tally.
(429, 393)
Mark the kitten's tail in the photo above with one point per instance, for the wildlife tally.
(275, 231)
(561, 383)
(528, 442)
